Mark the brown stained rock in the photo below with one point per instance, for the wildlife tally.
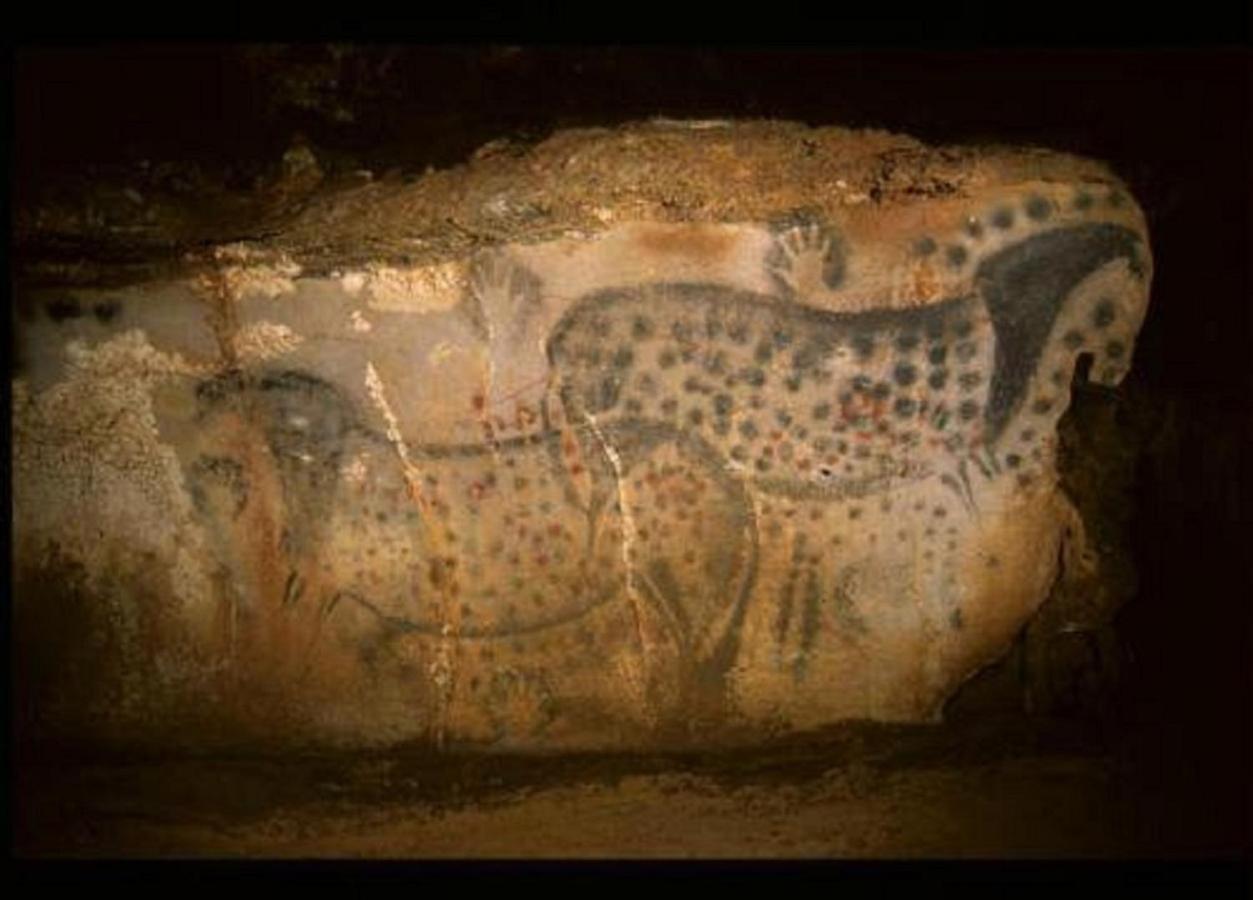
(668, 434)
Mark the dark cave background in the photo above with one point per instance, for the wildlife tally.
(1173, 123)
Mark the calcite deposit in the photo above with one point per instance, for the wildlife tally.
(687, 453)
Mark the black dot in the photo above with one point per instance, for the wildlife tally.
(822, 410)
(666, 359)
(1104, 314)
(937, 378)
(738, 332)
(974, 228)
(968, 410)
(105, 311)
(713, 327)
(937, 354)
(956, 255)
(782, 338)
(792, 383)
(1073, 339)
(755, 377)
(642, 327)
(924, 246)
(881, 390)
(682, 331)
(696, 417)
(764, 352)
(962, 328)
(669, 406)
(722, 404)
(1013, 460)
(623, 358)
(739, 453)
(783, 417)
(966, 351)
(1038, 208)
(1115, 349)
(906, 342)
(1041, 406)
(969, 380)
(633, 406)
(748, 428)
(763, 464)
(905, 374)
(904, 407)
(861, 383)
(863, 344)
(1115, 199)
(1003, 218)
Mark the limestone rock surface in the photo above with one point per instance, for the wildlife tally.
(643, 437)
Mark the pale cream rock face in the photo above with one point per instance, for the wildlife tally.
(660, 483)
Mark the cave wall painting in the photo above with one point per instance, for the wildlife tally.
(693, 499)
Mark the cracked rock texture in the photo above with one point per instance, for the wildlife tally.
(671, 434)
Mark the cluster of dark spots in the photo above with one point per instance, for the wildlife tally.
(722, 404)
(1013, 460)
(937, 378)
(1038, 208)
(904, 407)
(1003, 218)
(968, 410)
(924, 246)
(748, 429)
(937, 354)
